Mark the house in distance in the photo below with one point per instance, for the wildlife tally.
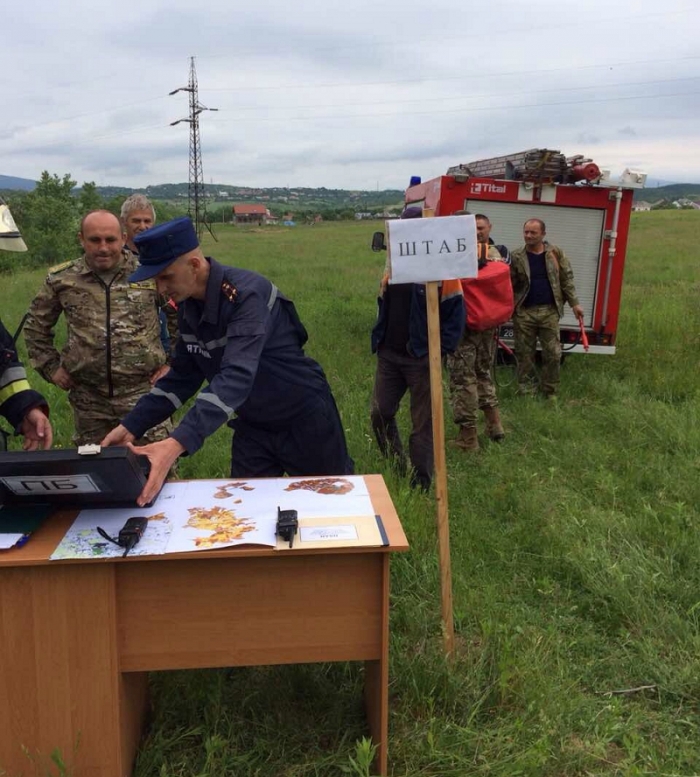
(252, 214)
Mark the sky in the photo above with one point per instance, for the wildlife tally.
(346, 95)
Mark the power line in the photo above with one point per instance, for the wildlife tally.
(414, 41)
(477, 76)
(462, 110)
(422, 100)
(337, 85)
(344, 117)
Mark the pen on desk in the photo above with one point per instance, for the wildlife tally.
(21, 541)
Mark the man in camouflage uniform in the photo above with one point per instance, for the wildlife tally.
(542, 282)
(137, 215)
(113, 354)
(471, 385)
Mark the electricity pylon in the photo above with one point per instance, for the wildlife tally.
(196, 196)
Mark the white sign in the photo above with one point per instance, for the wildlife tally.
(432, 249)
(328, 533)
(35, 485)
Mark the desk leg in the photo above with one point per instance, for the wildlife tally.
(60, 683)
(133, 691)
(377, 682)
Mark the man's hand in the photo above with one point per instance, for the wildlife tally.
(37, 430)
(120, 435)
(164, 369)
(162, 456)
(62, 379)
(578, 312)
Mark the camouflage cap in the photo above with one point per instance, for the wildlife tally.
(160, 246)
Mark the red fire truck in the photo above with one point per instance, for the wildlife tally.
(585, 214)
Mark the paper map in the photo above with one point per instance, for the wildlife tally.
(202, 514)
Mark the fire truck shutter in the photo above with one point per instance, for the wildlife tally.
(577, 231)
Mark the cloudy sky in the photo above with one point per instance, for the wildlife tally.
(351, 95)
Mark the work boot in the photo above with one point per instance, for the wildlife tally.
(494, 428)
(467, 439)
(421, 481)
(525, 390)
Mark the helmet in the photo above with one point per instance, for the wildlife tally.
(10, 238)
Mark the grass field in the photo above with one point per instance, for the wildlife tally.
(575, 548)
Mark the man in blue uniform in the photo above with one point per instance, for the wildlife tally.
(243, 336)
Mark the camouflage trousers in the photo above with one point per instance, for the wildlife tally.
(94, 415)
(530, 324)
(471, 385)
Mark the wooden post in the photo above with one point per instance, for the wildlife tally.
(417, 263)
(443, 526)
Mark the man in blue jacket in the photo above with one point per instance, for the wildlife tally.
(400, 340)
(244, 337)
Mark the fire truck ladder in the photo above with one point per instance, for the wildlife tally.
(538, 165)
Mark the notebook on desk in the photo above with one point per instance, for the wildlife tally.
(86, 477)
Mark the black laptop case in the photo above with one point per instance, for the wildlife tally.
(102, 477)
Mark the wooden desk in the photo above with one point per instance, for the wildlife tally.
(77, 638)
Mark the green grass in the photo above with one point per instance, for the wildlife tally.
(575, 548)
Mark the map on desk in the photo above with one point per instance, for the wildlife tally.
(202, 514)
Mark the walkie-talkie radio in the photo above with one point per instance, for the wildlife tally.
(129, 534)
(287, 525)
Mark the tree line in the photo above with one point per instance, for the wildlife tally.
(49, 217)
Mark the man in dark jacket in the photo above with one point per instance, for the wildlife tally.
(243, 336)
(400, 340)
(23, 407)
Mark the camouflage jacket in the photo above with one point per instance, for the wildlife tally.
(113, 341)
(559, 273)
(170, 309)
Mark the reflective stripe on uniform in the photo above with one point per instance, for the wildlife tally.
(274, 291)
(208, 396)
(13, 388)
(11, 374)
(172, 398)
(220, 343)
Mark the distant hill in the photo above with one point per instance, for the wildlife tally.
(10, 182)
(289, 198)
(670, 192)
(302, 198)
(283, 198)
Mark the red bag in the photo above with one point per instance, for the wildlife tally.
(488, 297)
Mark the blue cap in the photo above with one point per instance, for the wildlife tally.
(412, 212)
(162, 245)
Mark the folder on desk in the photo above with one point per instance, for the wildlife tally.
(362, 531)
(17, 523)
